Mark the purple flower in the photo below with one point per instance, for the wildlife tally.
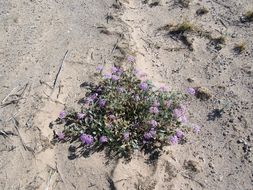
(107, 76)
(91, 98)
(174, 140)
(152, 132)
(62, 114)
(80, 116)
(177, 113)
(182, 119)
(154, 110)
(191, 91)
(143, 86)
(196, 128)
(120, 89)
(153, 123)
(179, 134)
(114, 69)
(148, 136)
(86, 139)
(130, 59)
(112, 117)
(99, 68)
(60, 135)
(103, 139)
(115, 78)
(102, 102)
(126, 135)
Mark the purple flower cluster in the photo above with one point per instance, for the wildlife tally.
(149, 135)
(102, 102)
(60, 135)
(143, 86)
(153, 110)
(107, 76)
(91, 98)
(80, 116)
(191, 91)
(120, 89)
(126, 136)
(177, 137)
(99, 68)
(179, 134)
(115, 77)
(103, 139)
(130, 59)
(62, 114)
(114, 69)
(86, 139)
(179, 114)
(174, 140)
(153, 123)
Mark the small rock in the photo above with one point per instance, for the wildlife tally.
(220, 178)
(190, 80)
(211, 165)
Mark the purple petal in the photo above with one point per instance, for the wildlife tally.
(191, 91)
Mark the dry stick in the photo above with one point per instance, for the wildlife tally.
(24, 88)
(6, 133)
(15, 122)
(51, 173)
(60, 68)
(3, 101)
(187, 177)
(12, 94)
(116, 44)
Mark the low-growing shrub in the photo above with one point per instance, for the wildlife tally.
(124, 112)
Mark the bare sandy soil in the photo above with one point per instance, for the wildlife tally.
(39, 38)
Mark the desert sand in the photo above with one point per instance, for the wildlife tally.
(48, 48)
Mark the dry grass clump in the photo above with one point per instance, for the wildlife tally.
(247, 17)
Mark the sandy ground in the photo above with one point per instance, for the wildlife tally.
(37, 37)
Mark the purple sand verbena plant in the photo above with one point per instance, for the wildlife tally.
(122, 113)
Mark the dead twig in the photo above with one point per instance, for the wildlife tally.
(187, 177)
(51, 173)
(60, 68)
(6, 133)
(59, 91)
(116, 44)
(8, 95)
(16, 125)
(17, 98)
